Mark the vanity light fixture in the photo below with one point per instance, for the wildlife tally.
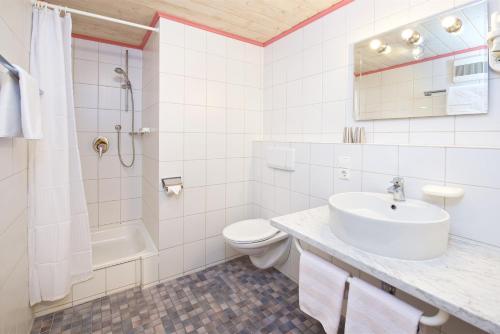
(381, 48)
(451, 24)
(411, 37)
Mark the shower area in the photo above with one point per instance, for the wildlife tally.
(107, 83)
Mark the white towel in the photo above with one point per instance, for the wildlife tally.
(373, 311)
(467, 99)
(10, 106)
(31, 118)
(321, 290)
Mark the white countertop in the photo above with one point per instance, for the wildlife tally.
(464, 282)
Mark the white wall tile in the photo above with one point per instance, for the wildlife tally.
(214, 249)
(194, 173)
(171, 233)
(194, 146)
(422, 162)
(352, 184)
(380, 159)
(194, 255)
(172, 32)
(321, 181)
(322, 154)
(473, 166)
(194, 200)
(171, 262)
(109, 212)
(475, 215)
(215, 222)
(194, 228)
(109, 189)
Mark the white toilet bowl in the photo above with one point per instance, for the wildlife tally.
(265, 245)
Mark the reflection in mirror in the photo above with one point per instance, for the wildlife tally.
(434, 67)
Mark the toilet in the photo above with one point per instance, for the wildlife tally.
(264, 244)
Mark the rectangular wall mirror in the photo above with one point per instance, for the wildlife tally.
(437, 66)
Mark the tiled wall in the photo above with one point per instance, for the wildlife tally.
(15, 313)
(209, 112)
(308, 81)
(308, 98)
(113, 192)
(150, 116)
(317, 176)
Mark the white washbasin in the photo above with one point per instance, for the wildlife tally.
(374, 222)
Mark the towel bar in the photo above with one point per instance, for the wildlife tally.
(437, 320)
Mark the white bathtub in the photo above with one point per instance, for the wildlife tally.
(124, 243)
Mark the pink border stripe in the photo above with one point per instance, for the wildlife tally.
(107, 41)
(310, 20)
(444, 55)
(157, 16)
(145, 39)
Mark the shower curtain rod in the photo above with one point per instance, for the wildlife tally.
(95, 16)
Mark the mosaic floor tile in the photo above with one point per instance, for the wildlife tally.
(233, 297)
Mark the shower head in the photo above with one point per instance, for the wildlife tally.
(121, 71)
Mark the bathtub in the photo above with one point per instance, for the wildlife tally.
(119, 256)
(124, 243)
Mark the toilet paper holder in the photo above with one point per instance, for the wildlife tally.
(171, 181)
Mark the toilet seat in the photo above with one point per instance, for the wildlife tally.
(250, 231)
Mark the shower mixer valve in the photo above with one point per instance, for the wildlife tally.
(101, 145)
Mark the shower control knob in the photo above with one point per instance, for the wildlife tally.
(118, 127)
(101, 145)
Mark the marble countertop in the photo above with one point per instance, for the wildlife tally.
(464, 282)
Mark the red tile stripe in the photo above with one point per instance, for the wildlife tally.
(159, 15)
(423, 60)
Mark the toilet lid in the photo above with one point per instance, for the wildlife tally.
(249, 231)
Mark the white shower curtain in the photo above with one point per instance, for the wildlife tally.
(60, 252)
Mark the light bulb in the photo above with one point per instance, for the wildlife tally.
(451, 24)
(406, 34)
(375, 44)
(411, 36)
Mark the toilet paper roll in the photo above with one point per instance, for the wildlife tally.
(174, 189)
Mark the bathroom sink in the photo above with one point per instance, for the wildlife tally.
(374, 222)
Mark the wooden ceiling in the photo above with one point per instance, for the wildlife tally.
(258, 20)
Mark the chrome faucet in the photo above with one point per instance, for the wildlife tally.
(397, 189)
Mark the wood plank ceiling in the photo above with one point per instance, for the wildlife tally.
(259, 20)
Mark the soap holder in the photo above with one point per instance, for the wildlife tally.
(442, 191)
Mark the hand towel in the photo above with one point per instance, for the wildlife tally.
(31, 118)
(321, 290)
(373, 311)
(10, 106)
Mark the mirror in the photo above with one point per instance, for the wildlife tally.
(437, 66)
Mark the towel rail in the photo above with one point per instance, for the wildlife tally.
(436, 320)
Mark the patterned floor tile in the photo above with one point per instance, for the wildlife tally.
(233, 297)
